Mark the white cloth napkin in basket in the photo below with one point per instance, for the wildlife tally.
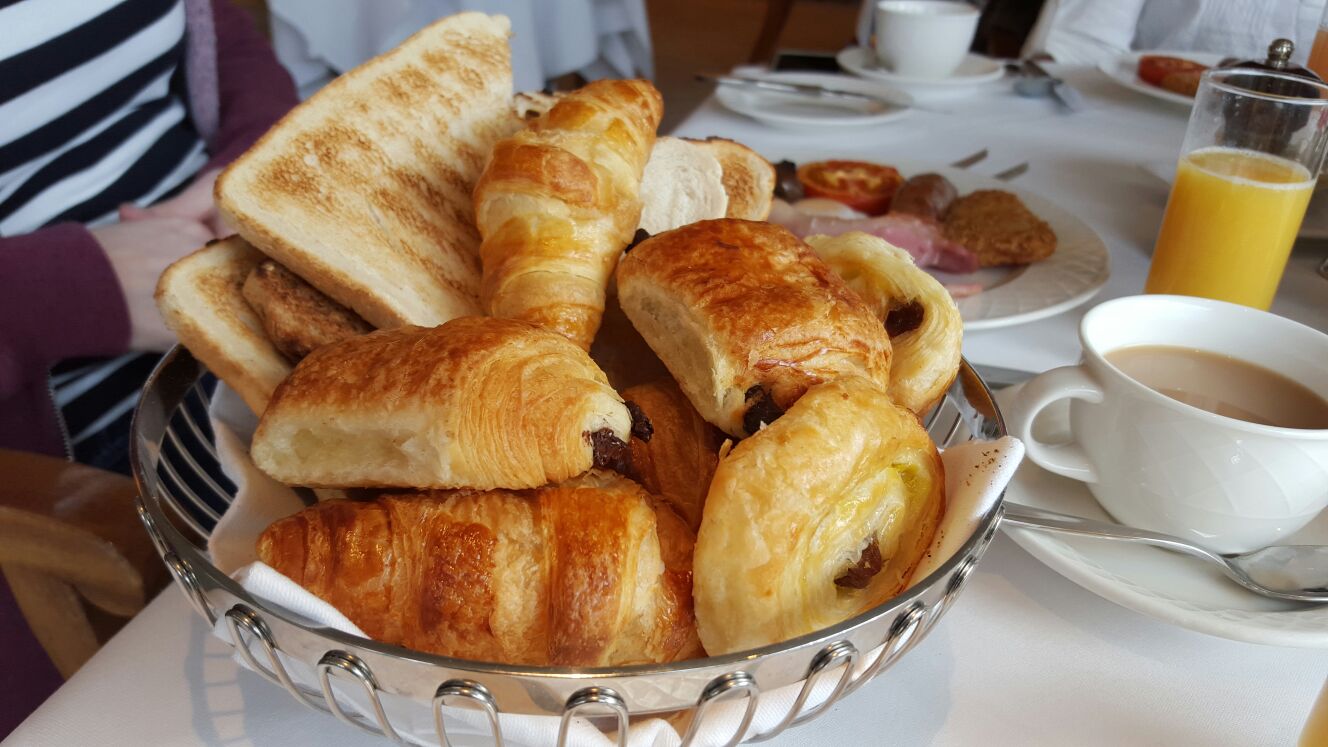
(976, 473)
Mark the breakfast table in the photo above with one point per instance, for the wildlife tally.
(1025, 656)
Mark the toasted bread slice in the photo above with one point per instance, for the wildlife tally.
(749, 179)
(683, 183)
(199, 297)
(296, 316)
(365, 189)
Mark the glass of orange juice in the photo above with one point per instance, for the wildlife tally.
(1247, 168)
(1319, 52)
(1315, 733)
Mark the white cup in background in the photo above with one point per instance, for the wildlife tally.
(1155, 463)
(924, 38)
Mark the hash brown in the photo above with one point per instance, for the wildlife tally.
(997, 227)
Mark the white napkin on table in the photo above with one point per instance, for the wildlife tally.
(976, 473)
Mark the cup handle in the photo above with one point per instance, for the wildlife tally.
(1069, 459)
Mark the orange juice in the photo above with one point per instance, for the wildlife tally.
(1319, 53)
(1315, 733)
(1229, 226)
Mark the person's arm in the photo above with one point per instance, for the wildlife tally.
(1084, 31)
(254, 88)
(59, 298)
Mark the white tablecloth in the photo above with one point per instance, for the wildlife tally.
(1024, 657)
(316, 39)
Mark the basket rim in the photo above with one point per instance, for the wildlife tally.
(147, 481)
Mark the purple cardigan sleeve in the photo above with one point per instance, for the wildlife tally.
(254, 88)
(59, 297)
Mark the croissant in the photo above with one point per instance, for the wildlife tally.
(925, 328)
(559, 201)
(675, 455)
(746, 317)
(820, 516)
(475, 403)
(588, 573)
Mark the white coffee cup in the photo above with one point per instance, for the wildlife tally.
(1156, 463)
(924, 38)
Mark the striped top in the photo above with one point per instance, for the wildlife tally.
(92, 115)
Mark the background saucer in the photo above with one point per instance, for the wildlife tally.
(973, 71)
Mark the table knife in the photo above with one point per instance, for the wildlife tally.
(1064, 92)
(802, 89)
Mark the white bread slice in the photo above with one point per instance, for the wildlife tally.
(682, 184)
(199, 297)
(531, 104)
(365, 189)
(749, 179)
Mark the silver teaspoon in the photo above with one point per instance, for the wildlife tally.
(1295, 572)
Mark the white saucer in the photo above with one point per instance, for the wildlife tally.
(798, 111)
(974, 70)
(1166, 586)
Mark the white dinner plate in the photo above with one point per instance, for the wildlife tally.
(973, 71)
(799, 111)
(1125, 71)
(1172, 588)
(1071, 276)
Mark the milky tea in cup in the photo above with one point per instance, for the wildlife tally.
(1198, 418)
(1223, 385)
(924, 38)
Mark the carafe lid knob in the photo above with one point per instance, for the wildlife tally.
(1279, 53)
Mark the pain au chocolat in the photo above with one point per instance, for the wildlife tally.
(746, 317)
(474, 403)
(821, 516)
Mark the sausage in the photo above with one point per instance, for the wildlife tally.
(925, 195)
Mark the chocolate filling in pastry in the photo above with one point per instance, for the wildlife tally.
(761, 408)
(903, 318)
(858, 575)
(611, 452)
(640, 235)
(642, 428)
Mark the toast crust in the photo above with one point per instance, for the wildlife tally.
(200, 299)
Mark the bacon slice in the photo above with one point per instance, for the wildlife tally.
(919, 237)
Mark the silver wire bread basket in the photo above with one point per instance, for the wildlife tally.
(183, 492)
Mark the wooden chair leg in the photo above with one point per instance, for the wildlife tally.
(73, 553)
(776, 15)
(55, 613)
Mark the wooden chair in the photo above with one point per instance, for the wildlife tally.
(772, 26)
(77, 560)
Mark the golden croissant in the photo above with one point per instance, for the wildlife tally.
(559, 201)
(473, 403)
(820, 516)
(587, 573)
(925, 328)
